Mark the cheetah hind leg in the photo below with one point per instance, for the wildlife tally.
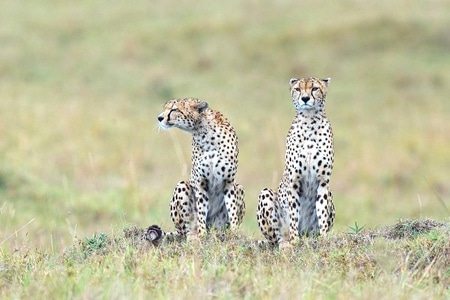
(324, 209)
(181, 214)
(267, 217)
(234, 205)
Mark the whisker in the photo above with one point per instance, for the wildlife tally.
(157, 127)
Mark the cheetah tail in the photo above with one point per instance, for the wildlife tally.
(154, 234)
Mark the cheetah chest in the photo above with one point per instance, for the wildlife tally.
(211, 174)
(212, 168)
(309, 174)
(307, 159)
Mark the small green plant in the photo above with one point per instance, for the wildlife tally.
(355, 229)
(95, 243)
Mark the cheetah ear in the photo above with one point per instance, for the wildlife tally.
(293, 81)
(326, 81)
(202, 106)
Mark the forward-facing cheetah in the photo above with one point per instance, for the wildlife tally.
(211, 198)
(303, 204)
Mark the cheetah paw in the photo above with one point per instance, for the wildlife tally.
(193, 239)
(285, 247)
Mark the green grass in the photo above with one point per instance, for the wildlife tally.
(410, 259)
(81, 85)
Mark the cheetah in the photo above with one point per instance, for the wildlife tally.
(211, 198)
(303, 204)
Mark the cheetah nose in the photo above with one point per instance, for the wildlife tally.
(305, 98)
(160, 118)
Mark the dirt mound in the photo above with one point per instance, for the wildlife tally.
(410, 229)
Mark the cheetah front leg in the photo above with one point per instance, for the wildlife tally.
(240, 195)
(234, 203)
(202, 207)
(324, 208)
(331, 210)
(267, 216)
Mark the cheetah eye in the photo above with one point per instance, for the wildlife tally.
(173, 109)
(297, 89)
(314, 89)
(170, 112)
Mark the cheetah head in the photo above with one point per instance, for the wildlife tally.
(309, 93)
(184, 114)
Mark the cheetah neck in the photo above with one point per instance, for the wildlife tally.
(309, 124)
(202, 136)
(310, 117)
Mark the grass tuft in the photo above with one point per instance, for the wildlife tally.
(409, 228)
(356, 229)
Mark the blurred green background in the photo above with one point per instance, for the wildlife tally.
(81, 84)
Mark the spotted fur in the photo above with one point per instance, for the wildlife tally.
(303, 204)
(211, 198)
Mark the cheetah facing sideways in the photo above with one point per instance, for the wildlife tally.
(211, 198)
(303, 204)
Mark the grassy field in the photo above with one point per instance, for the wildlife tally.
(81, 84)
